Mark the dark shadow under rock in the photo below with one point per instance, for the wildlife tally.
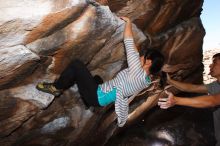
(177, 126)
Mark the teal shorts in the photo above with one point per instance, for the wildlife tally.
(106, 98)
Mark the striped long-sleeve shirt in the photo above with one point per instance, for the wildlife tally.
(127, 82)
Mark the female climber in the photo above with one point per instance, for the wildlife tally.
(133, 79)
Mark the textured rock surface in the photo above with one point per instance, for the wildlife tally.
(181, 126)
(39, 38)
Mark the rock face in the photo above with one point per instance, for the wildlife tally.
(182, 126)
(39, 38)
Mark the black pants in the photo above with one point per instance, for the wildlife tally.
(77, 73)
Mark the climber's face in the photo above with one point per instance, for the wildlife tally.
(215, 68)
(147, 65)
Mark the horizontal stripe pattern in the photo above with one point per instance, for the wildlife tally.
(128, 82)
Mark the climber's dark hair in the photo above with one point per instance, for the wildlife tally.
(157, 60)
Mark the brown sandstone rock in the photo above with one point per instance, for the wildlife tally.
(39, 38)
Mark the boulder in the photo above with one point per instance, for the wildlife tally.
(38, 39)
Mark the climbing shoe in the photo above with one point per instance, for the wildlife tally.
(49, 88)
